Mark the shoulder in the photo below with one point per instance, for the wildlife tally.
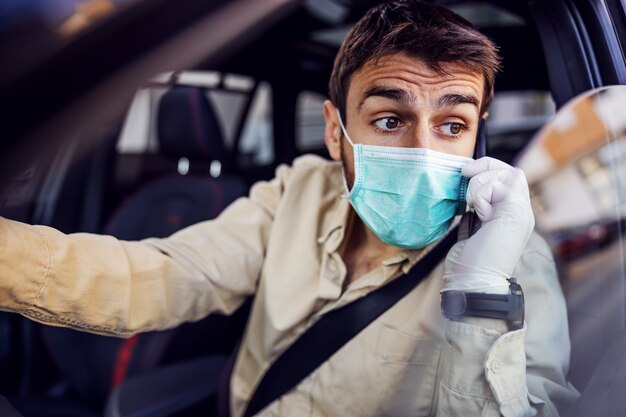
(316, 165)
(308, 176)
(310, 170)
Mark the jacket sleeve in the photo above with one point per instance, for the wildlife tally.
(107, 286)
(490, 371)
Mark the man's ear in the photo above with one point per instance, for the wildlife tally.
(485, 116)
(332, 131)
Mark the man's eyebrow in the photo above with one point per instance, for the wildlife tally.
(395, 94)
(454, 99)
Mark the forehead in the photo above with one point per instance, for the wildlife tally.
(400, 71)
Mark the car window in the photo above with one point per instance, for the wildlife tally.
(310, 121)
(228, 93)
(576, 167)
(256, 146)
(513, 118)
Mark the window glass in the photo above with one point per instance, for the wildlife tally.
(257, 146)
(310, 122)
(514, 117)
(227, 93)
(228, 106)
(576, 169)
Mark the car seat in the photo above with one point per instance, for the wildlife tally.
(187, 128)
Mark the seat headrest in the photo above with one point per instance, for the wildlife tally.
(187, 126)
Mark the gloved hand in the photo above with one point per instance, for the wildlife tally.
(499, 194)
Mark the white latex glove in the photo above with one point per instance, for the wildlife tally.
(499, 194)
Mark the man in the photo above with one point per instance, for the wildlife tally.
(409, 88)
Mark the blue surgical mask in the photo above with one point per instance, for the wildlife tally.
(407, 196)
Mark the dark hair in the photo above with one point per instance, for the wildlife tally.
(433, 34)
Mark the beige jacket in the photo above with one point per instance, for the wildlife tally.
(281, 243)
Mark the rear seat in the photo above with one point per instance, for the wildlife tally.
(190, 136)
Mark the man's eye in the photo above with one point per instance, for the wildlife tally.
(452, 129)
(388, 123)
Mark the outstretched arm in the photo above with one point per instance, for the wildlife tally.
(107, 286)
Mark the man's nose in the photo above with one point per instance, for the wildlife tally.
(420, 137)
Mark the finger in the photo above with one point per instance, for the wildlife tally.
(513, 179)
(484, 199)
(483, 164)
(479, 198)
(486, 177)
(483, 207)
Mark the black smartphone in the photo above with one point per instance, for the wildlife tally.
(470, 223)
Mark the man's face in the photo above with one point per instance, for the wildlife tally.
(401, 102)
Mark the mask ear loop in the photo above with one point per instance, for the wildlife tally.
(345, 181)
(343, 129)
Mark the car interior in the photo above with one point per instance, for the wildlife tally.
(139, 125)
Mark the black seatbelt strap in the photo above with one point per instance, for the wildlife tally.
(336, 328)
